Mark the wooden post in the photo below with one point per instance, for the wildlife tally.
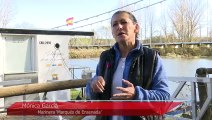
(202, 88)
(41, 87)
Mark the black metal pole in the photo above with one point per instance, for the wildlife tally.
(202, 88)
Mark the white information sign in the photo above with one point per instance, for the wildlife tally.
(53, 63)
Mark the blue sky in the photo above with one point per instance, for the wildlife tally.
(51, 13)
(46, 14)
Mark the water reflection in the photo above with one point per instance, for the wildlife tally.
(174, 66)
(185, 67)
(178, 67)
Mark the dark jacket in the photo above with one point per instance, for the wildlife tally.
(145, 72)
(141, 70)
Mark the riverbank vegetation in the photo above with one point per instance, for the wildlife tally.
(170, 51)
(185, 52)
(85, 53)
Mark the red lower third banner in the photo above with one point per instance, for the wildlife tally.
(98, 108)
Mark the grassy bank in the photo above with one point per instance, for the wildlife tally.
(85, 53)
(168, 51)
(76, 93)
(186, 52)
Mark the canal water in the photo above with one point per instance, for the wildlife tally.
(175, 67)
(180, 67)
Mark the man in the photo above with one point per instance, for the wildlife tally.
(128, 71)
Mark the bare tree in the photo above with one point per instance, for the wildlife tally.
(124, 3)
(105, 32)
(164, 26)
(185, 16)
(210, 35)
(151, 23)
(6, 12)
(25, 25)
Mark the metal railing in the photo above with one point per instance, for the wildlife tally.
(199, 112)
(67, 84)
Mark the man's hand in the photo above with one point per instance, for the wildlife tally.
(98, 84)
(128, 93)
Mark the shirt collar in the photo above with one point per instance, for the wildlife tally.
(138, 47)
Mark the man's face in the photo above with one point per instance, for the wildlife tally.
(123, 28)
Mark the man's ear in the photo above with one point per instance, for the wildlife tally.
(137, 28)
